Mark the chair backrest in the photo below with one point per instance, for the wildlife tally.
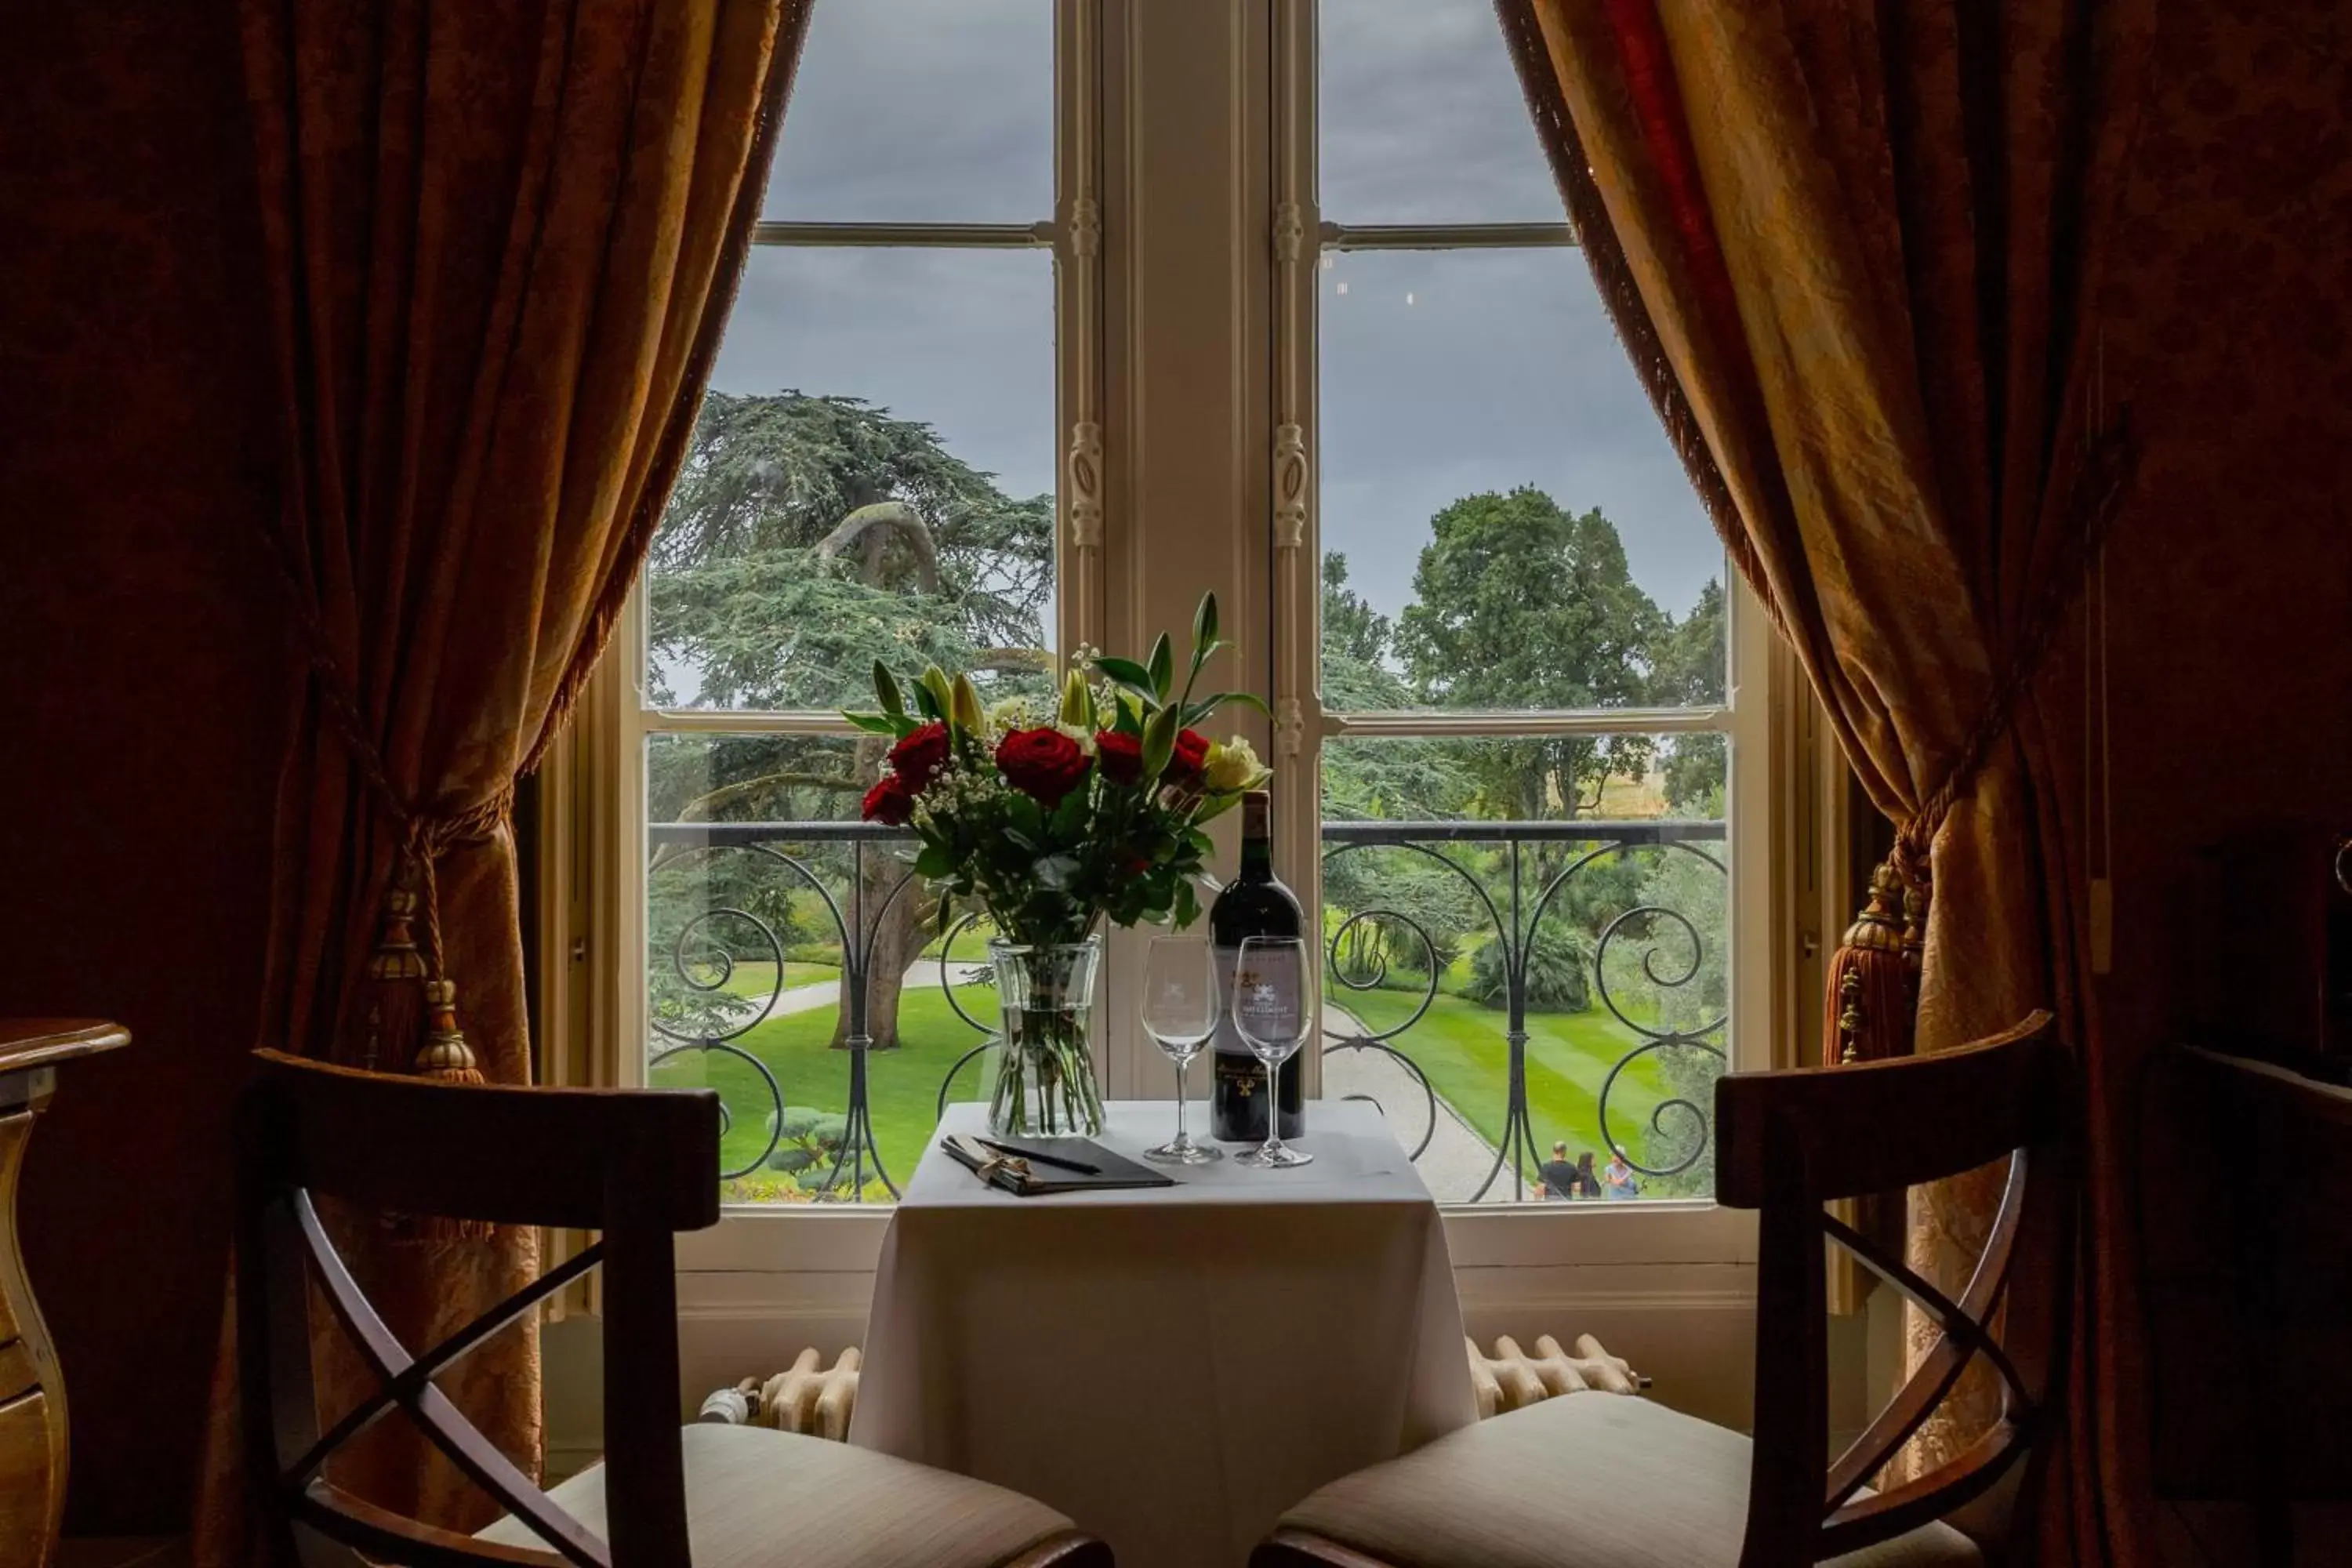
(1789, 1144)
(638, 1166)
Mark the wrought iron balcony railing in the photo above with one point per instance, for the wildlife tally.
(1500, 987)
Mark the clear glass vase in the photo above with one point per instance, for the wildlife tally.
(1045, 1084)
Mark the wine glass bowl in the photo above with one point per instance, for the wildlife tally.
(1272, 1012)
(1180, 1013)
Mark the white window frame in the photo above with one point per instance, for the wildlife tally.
(1185, 237)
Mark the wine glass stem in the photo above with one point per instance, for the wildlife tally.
(1182, 1063)
(1273, 1108)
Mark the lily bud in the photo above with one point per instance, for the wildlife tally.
(964, 707)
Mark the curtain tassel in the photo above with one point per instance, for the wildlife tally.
(445, 1056)
(1870, 992)
(395, 1000)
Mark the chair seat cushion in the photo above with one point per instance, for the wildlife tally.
(760, 1499)
(1591, 1480)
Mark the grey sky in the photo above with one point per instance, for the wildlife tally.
(1500, 370)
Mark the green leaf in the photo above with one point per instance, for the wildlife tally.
(927, 705)
(874, 723)
(1195, 712)
(1162, 665)
(1216, 806)
(1056, 871)
(1027, 818)
(936, 861)
(935, 681)
(886, 689)
(1188, 904)
(1204, 626)
(1131, 676)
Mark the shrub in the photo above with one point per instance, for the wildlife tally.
(1560, 972)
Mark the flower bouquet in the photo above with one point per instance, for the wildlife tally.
(1055, 814)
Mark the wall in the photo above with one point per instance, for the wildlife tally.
(140, 699)
(2228, 315)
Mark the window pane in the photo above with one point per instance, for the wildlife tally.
(746, 929)
(872, 478)
(1422, 121)
(1504, 523)
(920, 111)
(1603, 932)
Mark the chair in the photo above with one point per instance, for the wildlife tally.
(639, 1166)
(1616, 1482)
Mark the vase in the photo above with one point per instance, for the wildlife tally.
(1045, 1084)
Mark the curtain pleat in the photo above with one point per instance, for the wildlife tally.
(501, 242)
(1853, 248)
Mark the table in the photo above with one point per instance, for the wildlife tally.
(1109, 1354)
(32, 1395)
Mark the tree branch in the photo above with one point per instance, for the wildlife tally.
(887, 514)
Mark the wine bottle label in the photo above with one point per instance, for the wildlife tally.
(1265, 1000)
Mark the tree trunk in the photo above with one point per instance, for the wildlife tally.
(898, 934)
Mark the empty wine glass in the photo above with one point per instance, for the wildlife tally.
(1180, 1011)
(1271, 1010)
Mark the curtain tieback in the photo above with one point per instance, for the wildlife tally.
(1872, 990)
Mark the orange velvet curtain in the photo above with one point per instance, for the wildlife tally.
(501, 241)
(1853, 246)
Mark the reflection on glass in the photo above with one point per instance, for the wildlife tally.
(1507, 526)
(919, 111)
(746, 954)
(1602, 932)
(1422, 121)
(871, 478)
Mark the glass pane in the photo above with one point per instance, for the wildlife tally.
(1504, 523)
(1462, 900)
(919, 111)
(749, 914)
(872, 477)
(1422, 121)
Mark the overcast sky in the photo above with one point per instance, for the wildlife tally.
(1443, 373)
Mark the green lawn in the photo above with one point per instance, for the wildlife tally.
(1460, 1045)
(903, 1086)
(756, 978)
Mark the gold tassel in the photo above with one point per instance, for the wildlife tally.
(445, 1055)
(393, 1003)
(1869, 994)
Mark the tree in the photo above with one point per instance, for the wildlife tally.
(806, 537)
(1523, 604)
(1689, 670)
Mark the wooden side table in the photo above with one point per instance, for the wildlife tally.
(32, 1396)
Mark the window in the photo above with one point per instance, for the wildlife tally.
(873, 476)
(1524, 758)
(1054, 340)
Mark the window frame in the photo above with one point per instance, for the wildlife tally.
(1117, 359)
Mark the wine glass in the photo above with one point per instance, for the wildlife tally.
(1271, 1011)
(1180, 1011)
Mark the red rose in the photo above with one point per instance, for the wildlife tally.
(890, 801)
(919, 754)
(1190, 756)
(1044, 765)
(1122, 756)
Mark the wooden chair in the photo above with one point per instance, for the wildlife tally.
(638, 1166)
(1617, 1482)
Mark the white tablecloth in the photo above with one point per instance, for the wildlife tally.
(1171, 1367)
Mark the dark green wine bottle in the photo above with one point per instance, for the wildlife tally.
(1254, 903)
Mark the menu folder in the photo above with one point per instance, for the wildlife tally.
(1034, 1178)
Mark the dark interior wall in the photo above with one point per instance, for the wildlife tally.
(142, 695)
(2229, 320)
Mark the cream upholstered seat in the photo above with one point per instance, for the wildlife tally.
(757, 1499)
(1591, 1481)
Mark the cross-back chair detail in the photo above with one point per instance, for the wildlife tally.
(1792, 1142)
(637, 1166)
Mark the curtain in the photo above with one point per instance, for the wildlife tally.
(1853, 246)
(500, 240)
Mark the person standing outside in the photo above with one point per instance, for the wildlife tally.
(1560, 1179)
(1617, 1178)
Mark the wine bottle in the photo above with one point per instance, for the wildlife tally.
(1253, 903)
